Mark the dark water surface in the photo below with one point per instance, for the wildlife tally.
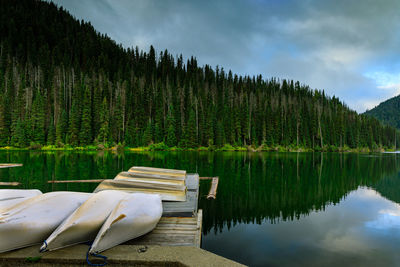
(272, 209)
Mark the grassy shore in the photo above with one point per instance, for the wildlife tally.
(227, 147)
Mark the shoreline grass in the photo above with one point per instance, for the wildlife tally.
(227, 147)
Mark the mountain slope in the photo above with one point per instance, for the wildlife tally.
(61, 82)
(387, 111)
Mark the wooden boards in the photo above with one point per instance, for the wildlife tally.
(173, 231)
(186, 208)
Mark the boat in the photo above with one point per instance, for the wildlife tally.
(11, 197)
(31, 221)
(169, 184)
(134, 216)
(85, 222)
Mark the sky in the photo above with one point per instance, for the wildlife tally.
(350, 49)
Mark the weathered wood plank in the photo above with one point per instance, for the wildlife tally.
(213, 189)
(9, 165)
(186, 208)
(173, 231)
(199, 227)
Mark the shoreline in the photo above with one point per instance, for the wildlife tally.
(225, 148)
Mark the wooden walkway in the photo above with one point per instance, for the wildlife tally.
(174, 231)
(181, 224)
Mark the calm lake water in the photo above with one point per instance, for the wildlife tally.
(272, 209)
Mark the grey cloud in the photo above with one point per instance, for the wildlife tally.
(326, 44)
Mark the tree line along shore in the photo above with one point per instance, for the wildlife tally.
(63, 85)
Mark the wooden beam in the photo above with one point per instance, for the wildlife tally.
(207, 178)
(9, 165)
(10, 183)
(213, 189)
(76, 181)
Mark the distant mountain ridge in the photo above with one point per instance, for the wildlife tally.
(387, 112)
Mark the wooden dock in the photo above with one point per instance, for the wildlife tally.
(173, 231)
(181, 224)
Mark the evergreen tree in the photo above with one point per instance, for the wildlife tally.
(104, 129)
(38, 119)
(97, 88)
(4, 129)
(61, 129)
(85, 135)
(171, 136)
(51, 135)
(74, 125)
(19, 137)
(147, 135)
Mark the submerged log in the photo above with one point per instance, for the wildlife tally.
(76, 181)
(10, 183)
(9, 165)
(213, 189)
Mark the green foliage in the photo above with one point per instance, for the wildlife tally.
(19, 138)
(147, 135)
(85, 135)
(38, 119)
(61, 128)
(74, 125)
(104, 118)
(158, 147)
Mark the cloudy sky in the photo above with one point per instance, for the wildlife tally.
(351, 49)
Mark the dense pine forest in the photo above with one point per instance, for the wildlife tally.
(63, 83)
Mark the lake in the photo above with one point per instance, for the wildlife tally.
(272, 209)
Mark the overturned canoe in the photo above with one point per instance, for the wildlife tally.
(165, 190)
(85, 222)
(31, 221)
(150, 178)
(11, 197)
(134, 216)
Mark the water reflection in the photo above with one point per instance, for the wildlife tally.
(360, 231)
(271, 208)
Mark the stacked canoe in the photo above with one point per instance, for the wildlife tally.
(168, 183)
(123, 220)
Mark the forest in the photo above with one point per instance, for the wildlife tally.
(387, 112)
(62, 83)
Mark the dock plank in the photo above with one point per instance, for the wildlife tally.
(173, 231)
(186, 208)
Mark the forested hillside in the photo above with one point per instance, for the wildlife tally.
(61, 82)
(388, 112)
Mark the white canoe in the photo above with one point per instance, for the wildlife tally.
(11, 197)
(31, 221)
(134, 216)
(85, 222)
